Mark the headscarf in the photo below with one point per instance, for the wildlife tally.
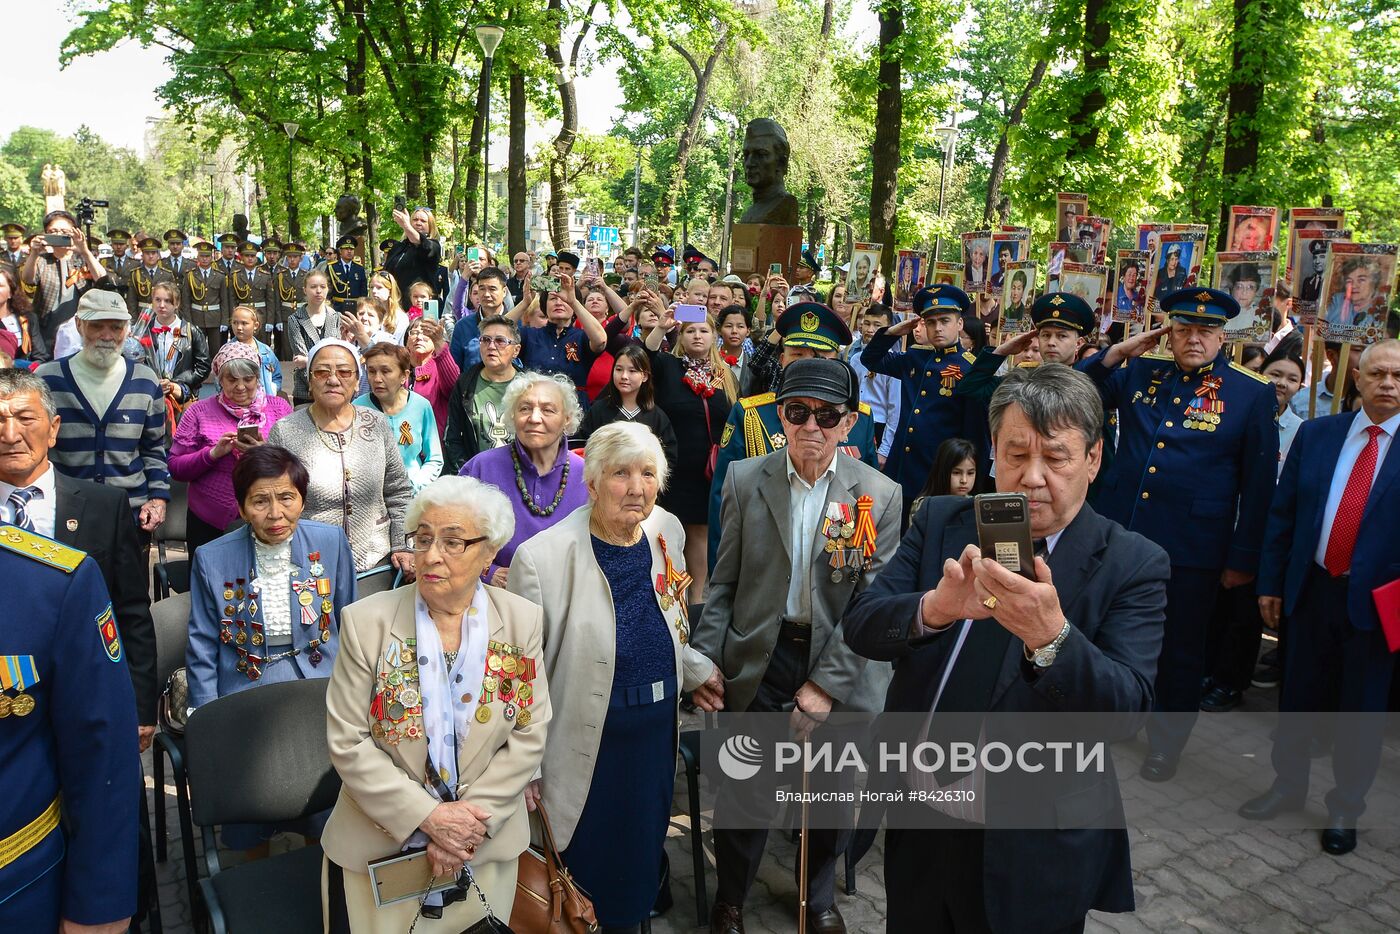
(251, 414)
(330, 342)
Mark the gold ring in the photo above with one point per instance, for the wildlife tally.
(990, 603)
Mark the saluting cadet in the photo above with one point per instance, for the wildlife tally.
(142, 278)
(119, 264)
(228, 253)
(929, 412)
(12, 256)
(68, 745)
(808, 329)
(348, 280)
(174, 262)
(1197, 457)
(205, 293)
(250, 285)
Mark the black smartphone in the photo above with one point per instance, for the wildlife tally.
(58, 239)
(1004, 531)
(400, 203)
(249, 434)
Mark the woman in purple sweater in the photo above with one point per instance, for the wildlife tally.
(207, 444)
(540, 476)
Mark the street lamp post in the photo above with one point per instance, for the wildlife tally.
(293, 221)
(489, 37)
(948, 136)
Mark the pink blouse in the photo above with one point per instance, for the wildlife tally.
(435, 380)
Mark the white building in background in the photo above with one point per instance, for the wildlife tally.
(537, 238)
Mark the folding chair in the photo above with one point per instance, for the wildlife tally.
(173, 576)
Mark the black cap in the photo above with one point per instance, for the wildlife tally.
(1064, 310)
(818, 378)
(386, 245)
(809, 259)
(565, 256)
(345, 241)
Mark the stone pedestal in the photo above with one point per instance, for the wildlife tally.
(755, 246)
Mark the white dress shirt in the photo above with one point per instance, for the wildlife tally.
(274, 589)
(973, 784)
(1351, 450)
(42, 508)
(165, 360)
(1288, 422)
(808, 503)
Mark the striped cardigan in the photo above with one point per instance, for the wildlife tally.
(124, 448)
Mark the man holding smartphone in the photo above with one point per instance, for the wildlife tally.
(60, 268)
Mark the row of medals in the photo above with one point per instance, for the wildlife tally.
(507, 671)
(846, 562)
(1201, 420)
(233, 590)
(21, 705)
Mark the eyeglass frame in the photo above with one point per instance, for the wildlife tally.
(813, 413)
(411, 539)
(502, 341)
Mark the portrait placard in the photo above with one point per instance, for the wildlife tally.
(1054, 261)
(1175, 265)
(1360, 279)
(908, 278)
(1249, 278)
(1130, 286)
(1068, 206)
(1087, 280)
(1090, 242)
(861, 274)
(976, 257)
(1300, 219)
(1007, 248)
(947, 273)
(1252, 228)
(1018, 294)
(1314, 244)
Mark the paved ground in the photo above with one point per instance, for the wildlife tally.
(1255, 879)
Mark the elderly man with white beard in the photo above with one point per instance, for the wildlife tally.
(111, 413)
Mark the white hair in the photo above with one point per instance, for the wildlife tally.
(524, 382)
(483, 504)
(623, 444)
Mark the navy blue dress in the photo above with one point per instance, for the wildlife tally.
(615, 852)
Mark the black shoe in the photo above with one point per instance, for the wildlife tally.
(1270, 804)
(1221, 699)
(1207, 685)
(826, 922)
(1267, 675)
(726, 919)
(1340, 836)
(1159, 767)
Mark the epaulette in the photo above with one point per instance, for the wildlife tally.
(1240, 368)
(763, 398)
(1154, 355)
(865, 409)
(32, 545)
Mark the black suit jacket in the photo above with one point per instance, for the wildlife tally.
(192, 361)
(1112, 587)
(97, 519)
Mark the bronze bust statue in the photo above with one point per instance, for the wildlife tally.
(765, 169)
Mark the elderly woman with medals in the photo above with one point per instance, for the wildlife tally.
(436, 719)
(611, 578)
(265, 599)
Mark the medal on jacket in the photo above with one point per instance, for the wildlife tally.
(949, 378)
(17, 672)
(1203, 414)
(672, 586)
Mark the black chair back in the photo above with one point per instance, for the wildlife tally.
(260, 756)
(172, 623)
(174, 529)
(374, 580)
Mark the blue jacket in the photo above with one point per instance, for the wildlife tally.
(348, 282)
(1202, 493)
(60, 650)
(1295, 521)
(466, 341)
(212, 665)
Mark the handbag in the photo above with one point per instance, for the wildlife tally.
(714, 448)
(174, 701)
(547, 900)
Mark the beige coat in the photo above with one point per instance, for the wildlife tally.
(557, 570)
(383, 801)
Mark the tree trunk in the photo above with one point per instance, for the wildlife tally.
(429, 186)
(355, 88)
(690, 131)
(454, 191)
(889, 105)
(1097, 33)
(1246, 91)
(474, 138)
(559, 160)
(998, 171)
(518, 192)
(413, 186)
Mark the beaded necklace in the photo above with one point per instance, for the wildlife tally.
(530, 503)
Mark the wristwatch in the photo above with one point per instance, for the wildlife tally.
(1044, 656)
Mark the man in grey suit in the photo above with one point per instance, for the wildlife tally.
(771, 625)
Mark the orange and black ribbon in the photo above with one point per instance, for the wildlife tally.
(864, 537)
(951, 374)
(1210, 385)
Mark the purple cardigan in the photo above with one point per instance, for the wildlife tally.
(494, 467)
(211, 481)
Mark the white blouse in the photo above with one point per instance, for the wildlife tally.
(274, 570)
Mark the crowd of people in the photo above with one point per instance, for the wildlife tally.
(602, 503)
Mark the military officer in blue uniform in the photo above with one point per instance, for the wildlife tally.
(1197, 457)
(67, 745)
(929, 410)
(348, 280)
(1063, 323)
(807, 329)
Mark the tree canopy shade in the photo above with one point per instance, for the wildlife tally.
(1159, 110)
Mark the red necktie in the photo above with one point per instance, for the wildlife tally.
(1347, 523)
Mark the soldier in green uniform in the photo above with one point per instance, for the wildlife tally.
(144, 277)
(272, 255)
(250, 285)
(290, 280)
(204, 294)
(807, 329)
(228, 253)
(12, 257)
(119, 264)
(174, 261)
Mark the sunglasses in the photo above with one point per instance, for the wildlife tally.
(796, 413)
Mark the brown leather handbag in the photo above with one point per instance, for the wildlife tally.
(547, 900)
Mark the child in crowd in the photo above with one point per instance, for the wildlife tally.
(954, 473)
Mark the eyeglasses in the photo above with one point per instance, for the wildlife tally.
(447, 545)
(796, 413)
(497, 341)
(342, 373)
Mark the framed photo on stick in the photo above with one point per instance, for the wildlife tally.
(1017, 295)
(1175, 265)
(1007, 248)
(1252, 228)
(1087, 280)
(1314, 245)
(909, 269)
(1300, 219)
(976, 257)
(1249, 278)
(1130, 286)
(946, 273)
(1068, 206)
(861, 274)
(1360, 279)
(1054, 263)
